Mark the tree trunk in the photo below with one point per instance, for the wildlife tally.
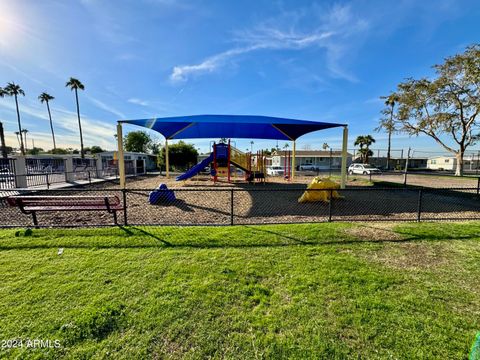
(388, 149)
(2, 142)
(22, 148)
(82, 154)
(459, 168)
(51, 126)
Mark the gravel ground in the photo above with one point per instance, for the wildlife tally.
(203, 203)
(428, 180)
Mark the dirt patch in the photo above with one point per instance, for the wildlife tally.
(375, 232)
(429, 181)
(409, 256)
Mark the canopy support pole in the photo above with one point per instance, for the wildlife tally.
(167, 160)
(121, 160)
(293, 160)
(344, 157)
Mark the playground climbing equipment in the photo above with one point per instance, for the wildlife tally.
(225, 158)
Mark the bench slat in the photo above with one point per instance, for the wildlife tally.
(67, 208)
(33, 204)
(63, 200)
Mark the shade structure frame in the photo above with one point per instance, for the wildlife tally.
(231, 126)
(238, 127)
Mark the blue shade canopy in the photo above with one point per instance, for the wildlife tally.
(231, 126)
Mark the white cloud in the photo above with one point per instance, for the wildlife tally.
(108, 108)
(332, 33)
(137, 101)
(270, 39)
(65, 122)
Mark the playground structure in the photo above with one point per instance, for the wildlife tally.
(231, 127)
(288, 165)
(223, 158)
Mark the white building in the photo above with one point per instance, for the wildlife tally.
(470, 162)
(318, 158)
(135, 162)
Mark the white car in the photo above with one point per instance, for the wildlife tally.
(363, 169)
(308, 167)
(275, 171)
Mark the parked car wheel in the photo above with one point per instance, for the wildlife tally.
(365, 173)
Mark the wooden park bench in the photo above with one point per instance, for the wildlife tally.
(33, 204)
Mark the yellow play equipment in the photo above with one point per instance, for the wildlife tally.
(319, 183)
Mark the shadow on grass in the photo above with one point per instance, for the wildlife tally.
(134, 238)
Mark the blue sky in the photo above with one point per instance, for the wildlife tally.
(313, 60)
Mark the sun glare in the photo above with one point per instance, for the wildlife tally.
(7, 26)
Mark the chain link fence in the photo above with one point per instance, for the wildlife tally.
(236, 206)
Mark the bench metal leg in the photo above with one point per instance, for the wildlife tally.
(34, 218)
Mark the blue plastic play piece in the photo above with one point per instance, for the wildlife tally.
(162, 195)
(221, 151)
(196, 169)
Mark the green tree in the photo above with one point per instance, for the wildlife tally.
(181, 155)
(95, 149)
(46, 98)
(59, 151)
(364, 142)
(137, 141)
(35, 151)
(75, 85)
(155, 147)
(15, 90)
(446, 107)
(387, 121)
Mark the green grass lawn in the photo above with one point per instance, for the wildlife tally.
(318, 291)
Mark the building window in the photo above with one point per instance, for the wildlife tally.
(447, 161)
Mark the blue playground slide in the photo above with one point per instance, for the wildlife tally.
(196, 169)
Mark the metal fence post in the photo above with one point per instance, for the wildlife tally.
(46, 178)
(89, 177)
(330, 205)
(125, 217)
(231, 206)
(478, 186)
(419, 210)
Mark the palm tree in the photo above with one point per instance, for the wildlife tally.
(364, 141)
(25, 131)
(388, 121)
(2, 142)
(2, 133)
(14, 90)
(251, 146)
(17, 133)
(75, 84)
(45, 98)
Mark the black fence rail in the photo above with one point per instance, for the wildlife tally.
(234, 206)
(7, 173)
